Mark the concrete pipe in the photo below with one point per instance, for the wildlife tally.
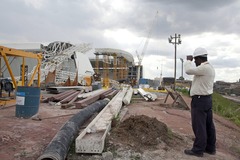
(58, 148)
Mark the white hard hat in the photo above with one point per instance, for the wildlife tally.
(202, 52)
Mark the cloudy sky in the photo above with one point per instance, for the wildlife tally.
(125, 25)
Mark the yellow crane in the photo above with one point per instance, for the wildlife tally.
(4, 52)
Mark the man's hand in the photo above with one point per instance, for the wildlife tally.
(190, 57)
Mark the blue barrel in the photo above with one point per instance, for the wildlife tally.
(27, 101)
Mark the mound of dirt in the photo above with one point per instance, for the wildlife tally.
(141, 132)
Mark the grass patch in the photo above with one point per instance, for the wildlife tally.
(226, 108)
(184, 91)
(222, 106)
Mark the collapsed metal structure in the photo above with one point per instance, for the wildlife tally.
(110, 64)
(57, 53)
(60, 64)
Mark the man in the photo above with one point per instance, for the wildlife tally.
(201, 104)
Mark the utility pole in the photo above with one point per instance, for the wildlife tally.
(182, 68)
(177, 40)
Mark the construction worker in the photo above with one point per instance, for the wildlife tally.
(201, 104)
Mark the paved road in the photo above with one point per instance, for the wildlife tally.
(235, 99)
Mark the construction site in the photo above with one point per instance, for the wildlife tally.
(80, 80)
(65, 101)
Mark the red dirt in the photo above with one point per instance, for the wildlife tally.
(179, 121)
(26, 139)
(140, 131)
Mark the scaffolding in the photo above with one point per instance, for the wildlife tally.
(97, 64)
(106, 71)
(114, 67)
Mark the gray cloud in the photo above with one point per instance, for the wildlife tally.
(186, 17)
(86, 21)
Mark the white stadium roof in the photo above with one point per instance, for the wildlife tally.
(128, 56)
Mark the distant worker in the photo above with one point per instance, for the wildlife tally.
(201, 104)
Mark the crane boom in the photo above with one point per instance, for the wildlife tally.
(140, 57)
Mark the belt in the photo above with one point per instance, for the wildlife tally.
(201, 96)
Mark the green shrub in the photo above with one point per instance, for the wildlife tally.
(184, 91)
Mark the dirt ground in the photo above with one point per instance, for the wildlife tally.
(149, 131)
(173, 144)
